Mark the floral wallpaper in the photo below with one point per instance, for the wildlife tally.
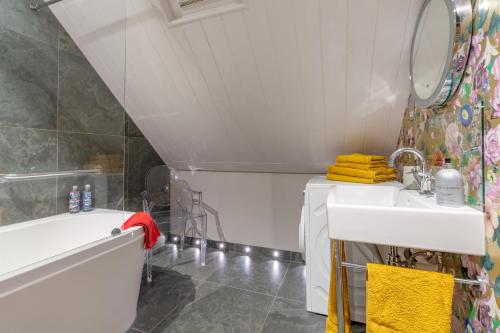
(462, 131)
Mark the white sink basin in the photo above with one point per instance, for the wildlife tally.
(389, 215)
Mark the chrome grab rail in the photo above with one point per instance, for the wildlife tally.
(12, 177)
(39, 4)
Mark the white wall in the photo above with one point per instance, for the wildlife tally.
(275, 86)
(261, 209)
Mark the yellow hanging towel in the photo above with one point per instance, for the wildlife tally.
(360, 158)
(403, 300)
(331, 321)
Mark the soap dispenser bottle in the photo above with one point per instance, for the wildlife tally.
(87, 199)
(74, 200)
(449, 186)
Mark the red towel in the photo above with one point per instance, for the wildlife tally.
(144, 220)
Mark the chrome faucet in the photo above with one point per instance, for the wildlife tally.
(424, 178)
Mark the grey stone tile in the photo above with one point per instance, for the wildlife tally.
(23, 201)
(294, 283)
(132, 129)
(140, 158)
(28, 80)
(85, 102)
(107, 190)
(133, 204)
(259, 274)
(188, 262)
(289, 316)
(67, 44)
(79, 151)
(219, 309)
(24, 150)
(168, 290)
(118, 205)
(126, 169)
(41, 25)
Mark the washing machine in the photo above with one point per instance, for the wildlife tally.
(315, 246)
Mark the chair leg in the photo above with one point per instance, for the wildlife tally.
(203, 253)
(149, 265)
(183, 233)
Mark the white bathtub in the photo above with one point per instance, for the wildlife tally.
(67, 274)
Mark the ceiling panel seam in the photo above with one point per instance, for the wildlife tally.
(372, 57)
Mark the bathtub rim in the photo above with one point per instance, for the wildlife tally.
(52, 218)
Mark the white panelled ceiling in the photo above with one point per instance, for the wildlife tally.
(271, 86)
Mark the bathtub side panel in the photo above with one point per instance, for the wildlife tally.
(96, 295)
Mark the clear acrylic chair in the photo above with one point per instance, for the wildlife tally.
(165, 188)
(188, 207)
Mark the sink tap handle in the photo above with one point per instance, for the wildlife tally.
(426, 179)
(426, 175)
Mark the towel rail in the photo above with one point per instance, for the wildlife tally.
(476, 282)
(339, 264)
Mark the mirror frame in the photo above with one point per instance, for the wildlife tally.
(460, 12)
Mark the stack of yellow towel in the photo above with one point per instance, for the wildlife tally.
(360, 168)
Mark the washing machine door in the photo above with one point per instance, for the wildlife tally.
(302, 235)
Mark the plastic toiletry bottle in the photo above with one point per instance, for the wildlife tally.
(87, 199)
(449, 186)
(74, 200)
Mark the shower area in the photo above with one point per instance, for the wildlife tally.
(60, 124)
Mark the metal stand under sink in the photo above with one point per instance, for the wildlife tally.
(340, 265)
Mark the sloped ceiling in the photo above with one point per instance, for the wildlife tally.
(278, 86)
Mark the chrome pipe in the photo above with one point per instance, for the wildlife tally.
(393, 258)
(471, 282)
(417, 153)
(36, 5)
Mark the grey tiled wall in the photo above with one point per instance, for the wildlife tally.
(57, 114)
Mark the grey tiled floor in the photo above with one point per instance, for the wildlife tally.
(232, 293)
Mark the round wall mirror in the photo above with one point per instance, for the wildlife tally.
(439, 51)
